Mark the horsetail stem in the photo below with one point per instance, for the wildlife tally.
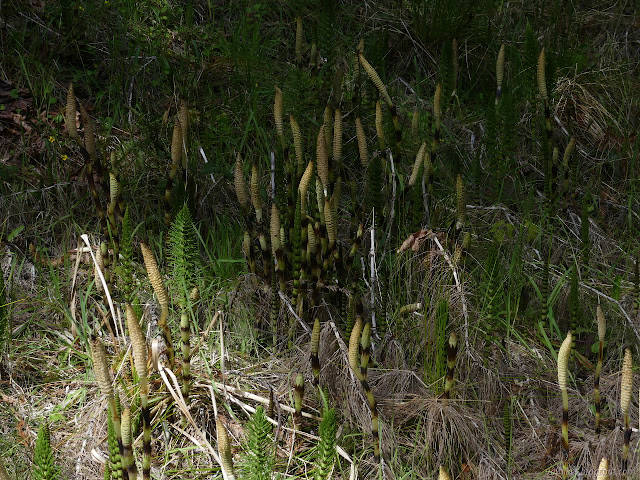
(362, 143)
(256, 201)
(103, 377)
(602, 330)
(337, 139)
(176, 160)
(298, 41)
(70, 115)
(89, 131)
(128, 461)
(379, 127)
(315, 348)
(224, 450)
(322, 160)
(603, 469)
(163, 298)
(185, 333)
(139, 348)
(437, 113)
(499, 72)
(461, 204)
(443, 474)
(240, 184)
(452, 351)
(626, 385)
(417, 164)
(563, 367)
(298, 395)
(328, 130)
(278, 108)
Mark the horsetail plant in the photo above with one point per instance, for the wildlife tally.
(163, 298)
(298, 395)
(258, 464)
(103, 377)
(443, 474)
(299, 39)
(326, 452)
(499, 72)
(452, 351)
(603, 470)
(563, 371)
(379, 126)
(278, 108)
(361, 337)
(176, 161)
(224, 450)
(508, 439)
(626, 385)
(139, 348)
(375, 78)
(128, 461)
(315, 347)
(44, 467)
(602, 330)
(184, 262)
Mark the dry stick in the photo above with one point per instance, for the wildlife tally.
(85, 238)
(231, 391)
(287, 302)
(173, 386)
